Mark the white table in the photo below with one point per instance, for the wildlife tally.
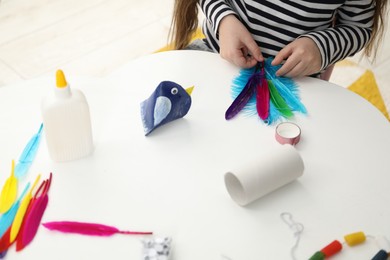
(172, 181)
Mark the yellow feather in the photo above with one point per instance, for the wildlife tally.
(21, 212)
(9, 192)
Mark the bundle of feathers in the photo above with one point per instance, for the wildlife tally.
(259, 91)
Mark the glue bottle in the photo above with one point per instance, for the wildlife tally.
(66, 122)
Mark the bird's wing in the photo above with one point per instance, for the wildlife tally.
(161, 109)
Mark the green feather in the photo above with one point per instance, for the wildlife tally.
(278, 101)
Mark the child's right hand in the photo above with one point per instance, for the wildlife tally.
(237, 44)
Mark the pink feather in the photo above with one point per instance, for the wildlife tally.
(32, 222)
(34, 214)
(262, 96)
(89, 229)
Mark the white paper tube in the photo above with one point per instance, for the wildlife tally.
(258, 178)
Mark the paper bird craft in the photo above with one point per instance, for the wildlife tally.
(168, 102)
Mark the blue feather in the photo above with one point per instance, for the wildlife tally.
(274, 114)
(28, 154)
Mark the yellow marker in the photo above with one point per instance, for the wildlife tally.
(21, 212)
(189, 90)
(9, 192)
(60, 78)
(355, 238)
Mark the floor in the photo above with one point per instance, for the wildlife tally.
(95, 37)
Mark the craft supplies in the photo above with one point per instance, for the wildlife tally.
(355, 238)
(297, 229)
(168, 102)
(7, 218)
(158, 248)
(335, 246)
(88, 229)
(381, 255)
(332, 248)
(11, 220)
(328, 251)
(259, 91)
(9, 192)
(28, 154)
(351, 240)
(22, 220)
(257, 178)
(16, 225)
(4, 242)
(256, 85)
(34, 214)
(288, 133)
(67, 122)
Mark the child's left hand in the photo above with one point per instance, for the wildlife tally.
(302, 57)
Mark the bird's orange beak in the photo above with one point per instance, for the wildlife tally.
(189, 90)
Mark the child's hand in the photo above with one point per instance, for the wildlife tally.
(302, 57)
(236, 43)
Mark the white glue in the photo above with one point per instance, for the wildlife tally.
(67, 122)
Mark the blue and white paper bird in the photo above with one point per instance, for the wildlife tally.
(168, 102)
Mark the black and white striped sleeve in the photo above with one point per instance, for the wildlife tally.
(214, 11)
(352, 31)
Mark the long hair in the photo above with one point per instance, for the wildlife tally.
(378, 28)
(184, 23)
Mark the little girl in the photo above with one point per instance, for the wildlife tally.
(306, 36)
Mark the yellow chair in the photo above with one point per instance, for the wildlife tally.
(197, 35)
(366, 87)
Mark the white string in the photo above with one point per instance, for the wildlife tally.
(296, 227)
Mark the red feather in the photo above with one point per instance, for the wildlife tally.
(262, 96)
(5, 241)
(34, 215)
(89, 229)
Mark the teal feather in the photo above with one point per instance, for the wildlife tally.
(274, 114)
(28, 154)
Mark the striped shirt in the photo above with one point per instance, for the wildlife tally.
(275, 23)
